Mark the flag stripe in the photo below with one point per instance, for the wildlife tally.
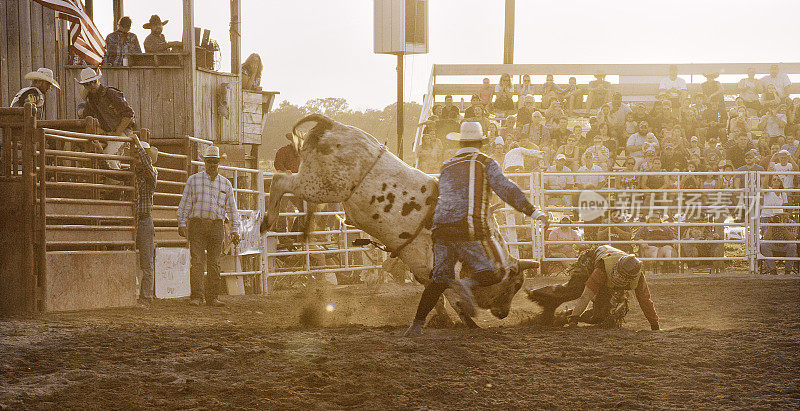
(85, 39)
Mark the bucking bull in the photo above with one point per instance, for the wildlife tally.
(387, 199)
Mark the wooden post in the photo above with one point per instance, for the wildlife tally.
(41, 241)
(508, 50)
(400, 105)
(189, 64)
(118, 12)
(29, 186)
(236, 36)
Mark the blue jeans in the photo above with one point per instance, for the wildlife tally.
(144, 242)
(471, 254)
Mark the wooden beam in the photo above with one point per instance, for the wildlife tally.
(236, 36)
(189, 72)
(609, 69)
(508, 49)
(118, 12)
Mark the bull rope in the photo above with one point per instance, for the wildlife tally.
(393, 253)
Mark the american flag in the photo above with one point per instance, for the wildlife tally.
(86, 40)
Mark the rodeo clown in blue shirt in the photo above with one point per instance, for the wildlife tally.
(460, 221)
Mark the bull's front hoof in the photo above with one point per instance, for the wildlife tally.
(414, 330)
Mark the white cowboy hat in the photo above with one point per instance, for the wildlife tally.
(470, 131)
(44, 74)
(151, 151)
(211, 152)
(88, 75)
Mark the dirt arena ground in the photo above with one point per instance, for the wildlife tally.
(728, 341)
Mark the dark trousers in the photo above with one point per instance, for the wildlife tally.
(144, 243)
(205, 247)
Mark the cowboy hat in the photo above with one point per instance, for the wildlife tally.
(151, 151)
(88, 75)
(154, 20)
(43, 74)
(470, 131)
(625, 270)
(211, 152)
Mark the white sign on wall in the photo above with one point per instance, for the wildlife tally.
(172, 272)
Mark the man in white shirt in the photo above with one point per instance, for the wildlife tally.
(559, 182)
(672, 85)
(782, 161)
(514, 160)
(636, 142)
(750, 89)
(589, 182)
(779, 80)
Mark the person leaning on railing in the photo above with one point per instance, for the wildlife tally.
(146, 176)
(788, 248)
(649, 238)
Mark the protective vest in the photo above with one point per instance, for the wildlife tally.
(610, 256)
(21, 97)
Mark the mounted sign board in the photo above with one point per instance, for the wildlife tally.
(401, 26)
(172, 272)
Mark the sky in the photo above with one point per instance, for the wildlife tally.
(324, 48)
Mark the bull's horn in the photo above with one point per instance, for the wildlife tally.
(320, 119)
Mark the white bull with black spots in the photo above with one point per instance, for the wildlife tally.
(387, 199)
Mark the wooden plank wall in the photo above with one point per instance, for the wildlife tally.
(155, 93)
(252, 116)
(208, 122)
(28, 41)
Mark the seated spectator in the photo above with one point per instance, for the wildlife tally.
(599, 90)
(561, 132)
(780, 81)
(562, 233)
(251, 72)
(712, 89)
(550, 92)
(688, 116)
(504, 91)
(771, 96)
(559, 182)
(617, 116)
(589, 182)
(616, 231)
(793, 117)
(637, 115)
(537, 131)
(486, 92)
(571, 150)
(155, 42)
(782, 162)
(672, 86)
(525, 87)
(573, 96)
(694, 148)
(737, 149)
(739, 121)
(650, 237)
(773, 198)
(658, 116)
(599, 152)
(635, 145)
(553, 113)
(628, 181)
(450, 111)
(773, 122)
(726, 180)
(713, 122)
(526, 110)
(120, 44)
(750, 89)
(654, 182)
(781, 231)
(712, 152)
(475, 104)
(672, 156)
(751, 164)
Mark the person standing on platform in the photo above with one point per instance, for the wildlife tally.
(120, 44)
(207, 198)
(144, 156)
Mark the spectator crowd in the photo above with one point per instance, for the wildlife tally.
(589, 128)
